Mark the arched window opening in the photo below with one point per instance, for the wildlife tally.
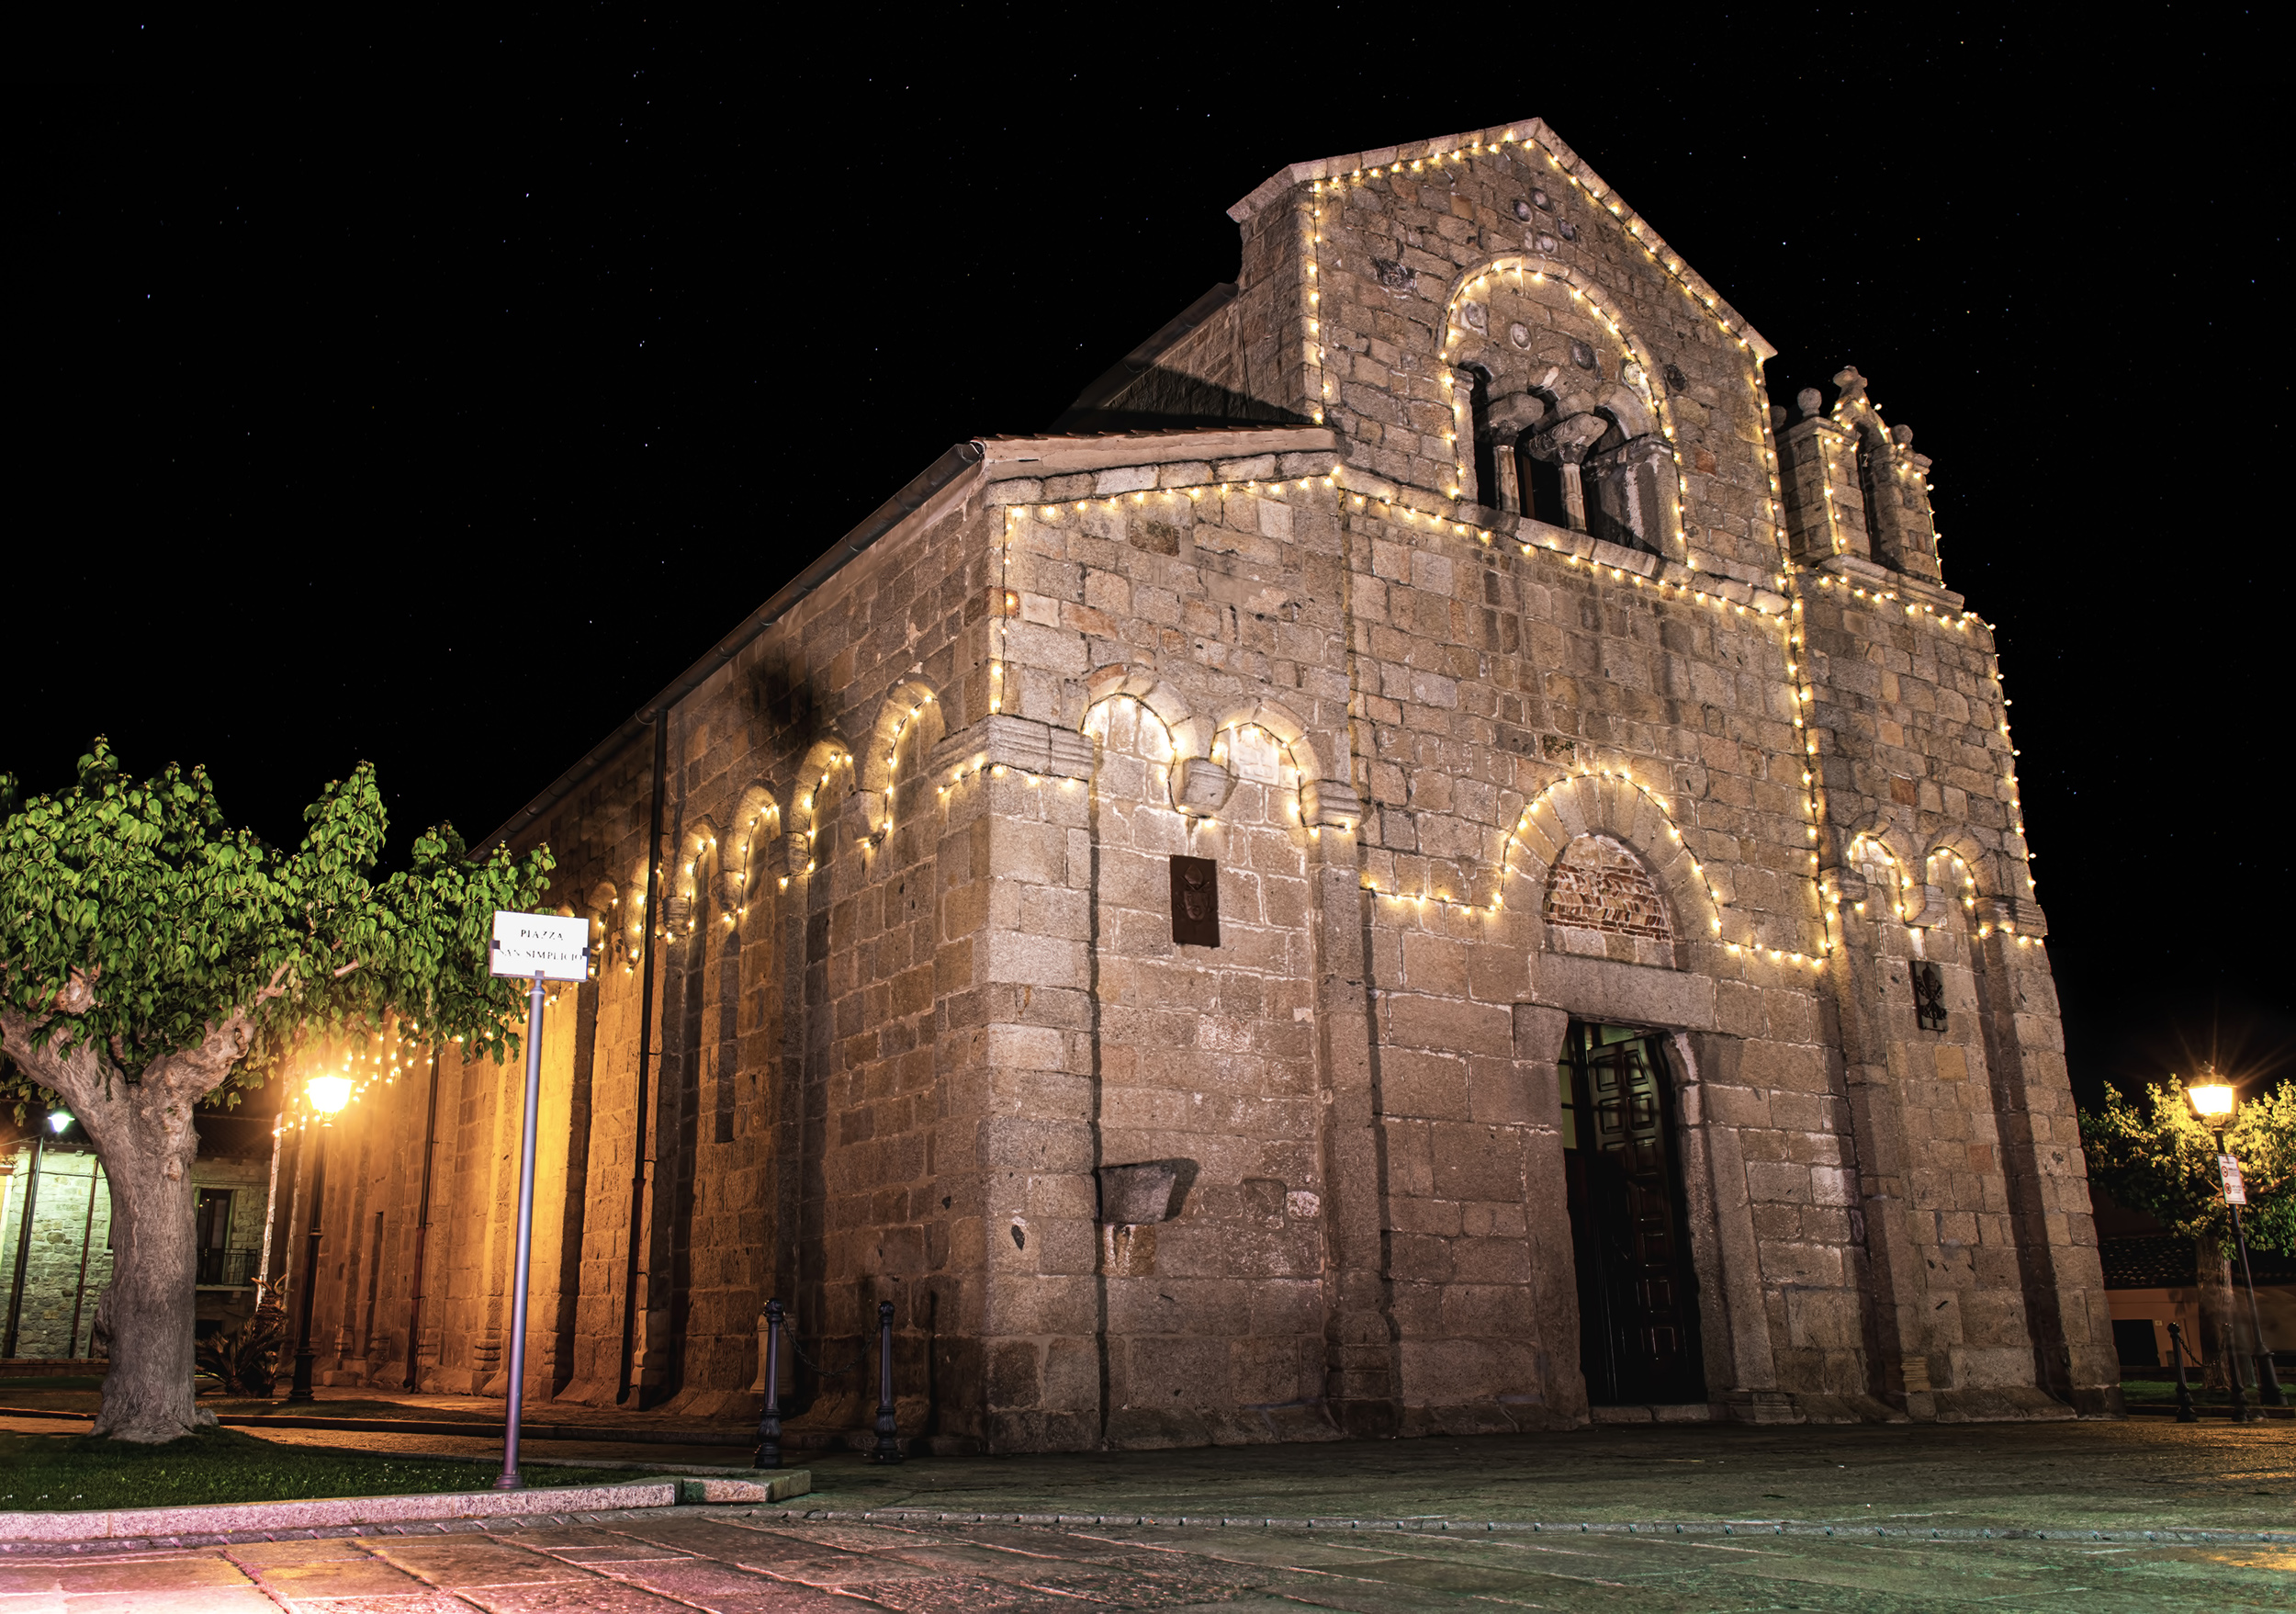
(1539, 476)
(1601, 488)
(1872, 468)
(1625, 500)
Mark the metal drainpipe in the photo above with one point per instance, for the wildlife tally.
(423, 1229)
(645, 1052)
(87, 1236)
(24, 1241)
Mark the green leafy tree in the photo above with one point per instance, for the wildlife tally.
(151, 957)
(2154, 1154)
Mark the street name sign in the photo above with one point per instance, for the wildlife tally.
(531, 945)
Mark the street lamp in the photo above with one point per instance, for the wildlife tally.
(326, 1095)
(2213, 1101)
(59, 1121)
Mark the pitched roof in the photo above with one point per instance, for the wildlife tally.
(2163, 1260)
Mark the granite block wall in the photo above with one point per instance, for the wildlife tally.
(1505, 678)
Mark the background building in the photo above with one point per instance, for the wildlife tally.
(52, 1276)
(1430, 861)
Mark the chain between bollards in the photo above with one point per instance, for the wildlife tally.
(2185, 1415)
(2230, 1349)
(888, 1448)
(770, 1424)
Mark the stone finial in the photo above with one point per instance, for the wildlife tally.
(1901, 436)
(1813, 403)
(1853, 385)
(1777, 417)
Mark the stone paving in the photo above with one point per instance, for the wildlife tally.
(738, 1560)
(2069, 1506)
(2090, 1474)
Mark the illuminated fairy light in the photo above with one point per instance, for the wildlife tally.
(1394, 505)
(1528, 823)
(1508, 146)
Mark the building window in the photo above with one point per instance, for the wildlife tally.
(212, 1224)
(1872, 468)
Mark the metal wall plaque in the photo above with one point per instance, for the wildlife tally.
(1195, 902)
(1929, 995)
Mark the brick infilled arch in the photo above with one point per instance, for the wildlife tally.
(1602, 899)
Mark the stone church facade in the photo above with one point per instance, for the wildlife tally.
(1428, 862)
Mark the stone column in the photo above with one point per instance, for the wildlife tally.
(2063, 1278)
(1019, 1117)
(1566, 443)
(1360, 1368)
(1897, 1336)
(1462, 396)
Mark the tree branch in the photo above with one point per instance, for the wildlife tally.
(78, 1072)
(268, 990)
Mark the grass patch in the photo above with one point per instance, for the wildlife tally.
(256, 1407)
(2151, 1392)
(78, 1472)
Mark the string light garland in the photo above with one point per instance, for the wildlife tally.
(365, 1060)
(1399, 503)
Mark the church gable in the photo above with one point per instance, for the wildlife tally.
(1388, 267)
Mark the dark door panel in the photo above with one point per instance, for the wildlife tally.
(1637, 1296)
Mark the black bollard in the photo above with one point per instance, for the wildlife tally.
(770, 1424)
(2185, 1415)
(888, 1448)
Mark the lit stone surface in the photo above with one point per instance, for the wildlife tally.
(1385, 605)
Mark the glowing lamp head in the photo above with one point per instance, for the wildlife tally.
(2212, 1102)
(328, 1094)
(58, 1120)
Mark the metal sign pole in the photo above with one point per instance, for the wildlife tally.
(509, 1480)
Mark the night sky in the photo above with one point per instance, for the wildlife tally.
(335, 412)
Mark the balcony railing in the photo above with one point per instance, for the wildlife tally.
(233, 1268)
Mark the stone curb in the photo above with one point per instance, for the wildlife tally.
(475, 1509)
(606, 1434)
(110, 1524)
(1736, 1527)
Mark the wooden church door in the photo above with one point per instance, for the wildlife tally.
(1637, 1294)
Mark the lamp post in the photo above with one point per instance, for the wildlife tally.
(2213, 1101)
(57, 1121)
(326, 1095)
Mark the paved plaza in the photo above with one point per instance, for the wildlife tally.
(2069, 1508)
(687, 1562)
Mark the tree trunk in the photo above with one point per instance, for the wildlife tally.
(147, 1143)
(143, 1134)
(2213, 1272)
